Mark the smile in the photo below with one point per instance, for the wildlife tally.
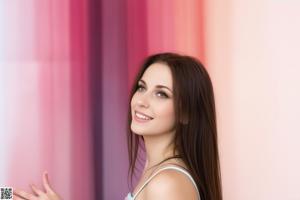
(141, 117)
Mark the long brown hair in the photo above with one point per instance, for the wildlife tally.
(196, 129)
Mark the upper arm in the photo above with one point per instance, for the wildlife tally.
(170, 185)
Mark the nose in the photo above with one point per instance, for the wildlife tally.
(143, 101)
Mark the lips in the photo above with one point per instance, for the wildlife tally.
(141, 116)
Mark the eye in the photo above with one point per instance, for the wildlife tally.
(140, 88)
(162, 94)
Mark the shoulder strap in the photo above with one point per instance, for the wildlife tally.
(180, 169)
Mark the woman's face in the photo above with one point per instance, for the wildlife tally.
(153, 98)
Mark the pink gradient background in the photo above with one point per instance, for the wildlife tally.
(48, 104)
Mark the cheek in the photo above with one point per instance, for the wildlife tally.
(166, 113)
(132, 101)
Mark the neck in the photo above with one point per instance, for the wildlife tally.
(158, 148)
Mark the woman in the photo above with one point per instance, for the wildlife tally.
(172, 117)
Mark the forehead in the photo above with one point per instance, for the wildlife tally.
(158, 74)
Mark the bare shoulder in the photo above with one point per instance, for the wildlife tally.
(170, 184)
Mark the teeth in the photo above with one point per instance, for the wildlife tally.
(141, 116)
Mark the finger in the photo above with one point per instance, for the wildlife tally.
(36, 190)
(24, 194)
(16, 197)
(46, 183)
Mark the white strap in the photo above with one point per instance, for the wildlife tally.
(164, 168)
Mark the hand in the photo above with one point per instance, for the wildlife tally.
(38, 194)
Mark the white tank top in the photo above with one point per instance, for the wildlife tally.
(180, 169)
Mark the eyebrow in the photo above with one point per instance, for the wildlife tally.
(157, 86)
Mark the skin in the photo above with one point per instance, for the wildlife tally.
(158, 135)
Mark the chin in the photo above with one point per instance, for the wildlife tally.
(149, 129)
(137, 131)
(140, 131)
